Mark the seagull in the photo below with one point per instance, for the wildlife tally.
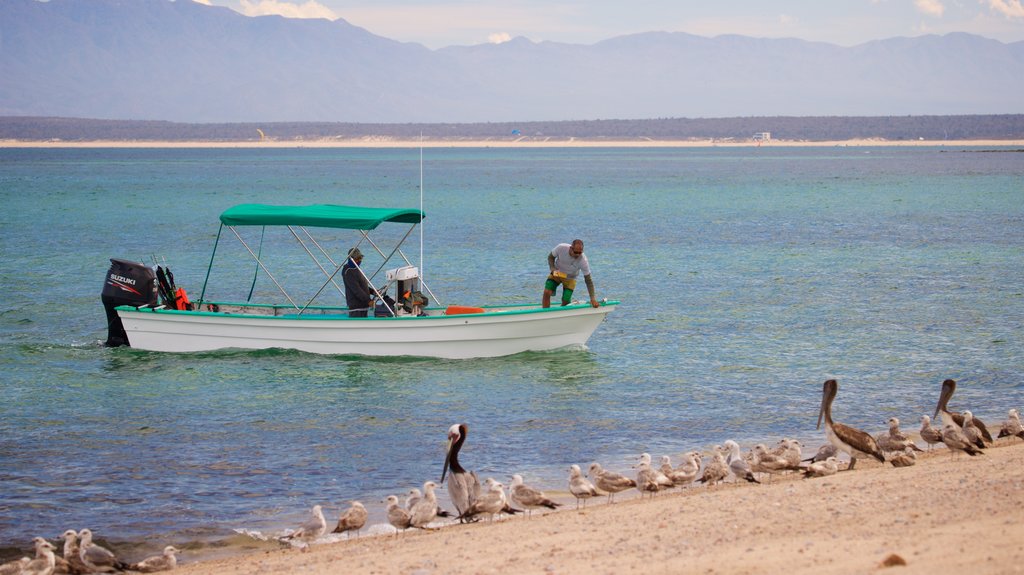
(737, 465)
(854, 442)
(312, 529)
(609, 481)
(45, 560)
(684, 474)
(929, 434)
(955, 440)
(580, 486)
(894, 440)
(648, 479)
(490, 502)
(957, 419)
(463, 486)
(397, 517)
(71, 554)
(163, 562)
(971, 431)
(1012, 427)
(412, 497)
(829, 466)
(425, 510)
(352, 519)
(766, 461)
(96, 558)
(791, 451)
(824, 452)
(716, 469)
(529, 497)
(16, 567)
(905, 458)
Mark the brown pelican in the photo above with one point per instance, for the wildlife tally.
(397, 517)
(823, 468)
(929, 434)
(854, 442)
(311, 530)
(163, 562)
(96, 558)
(957, 419)
(352, 519)
(463, 486)
(895, 440)
(737, 465)
(955, 440)
(609, 481)
(528, 497)
(580, 486)
(1012, 427)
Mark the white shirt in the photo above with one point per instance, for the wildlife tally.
(569, 265)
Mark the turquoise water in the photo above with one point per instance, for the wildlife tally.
(747, 277)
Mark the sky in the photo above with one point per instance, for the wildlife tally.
(440, 23)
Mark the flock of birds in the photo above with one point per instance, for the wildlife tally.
(960, 432)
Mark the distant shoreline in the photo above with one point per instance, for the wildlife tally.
(389, 142)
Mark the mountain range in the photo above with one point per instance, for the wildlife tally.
(187, 62)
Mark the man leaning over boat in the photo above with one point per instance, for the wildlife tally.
(565, 262)
(358, 296)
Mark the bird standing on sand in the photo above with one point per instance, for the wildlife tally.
(1012, 427)
(929, 434)
(716, 469)
(580, 487)
(894, 440)
(491, 502)
(737, 465)
(397, 517)
(955, 440)
(15, 567)
(823, 453)
(463, 486)
(45, 560)
(905, 458)
(163, 562)
(971, 430)
(528, 497)
(425, 510)
(71, 556)
(609, 481)
(952, 417)
(352, 519)
(312, 529)
(412, 497)
(853, 441)
(682, 475)
(96, 558)
(829, 466)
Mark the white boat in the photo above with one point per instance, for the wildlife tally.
(399, 328)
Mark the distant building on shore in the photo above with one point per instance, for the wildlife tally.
(762, 136)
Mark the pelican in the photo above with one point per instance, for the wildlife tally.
(895, 440)
(609, 481)
(528, 497)
(929, 433)
(45, 560)
(463, 486)
(397, 517)
(580, 486)
(824, 468)
(425, 509)
(1012, 427)
(96, 558)
(952, 417)
(352, 519)
(854, 442)
(163, 562)
(955, 440)
(737, 465)
(311, 530)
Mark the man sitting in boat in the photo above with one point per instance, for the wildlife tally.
(565, 262)
(357, 289)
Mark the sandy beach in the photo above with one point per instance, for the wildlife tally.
(946, 514)
(386, 142)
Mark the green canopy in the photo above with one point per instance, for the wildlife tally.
(318, 215)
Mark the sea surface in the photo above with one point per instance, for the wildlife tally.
(747, 277)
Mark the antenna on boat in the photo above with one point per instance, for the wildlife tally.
(422, 267)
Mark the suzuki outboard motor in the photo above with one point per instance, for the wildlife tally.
(127, 283)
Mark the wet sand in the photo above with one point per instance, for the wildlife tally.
(947, 514)
(386, 142)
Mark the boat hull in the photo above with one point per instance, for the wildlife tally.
(496, 332)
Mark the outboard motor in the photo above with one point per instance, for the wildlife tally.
(127, 283)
